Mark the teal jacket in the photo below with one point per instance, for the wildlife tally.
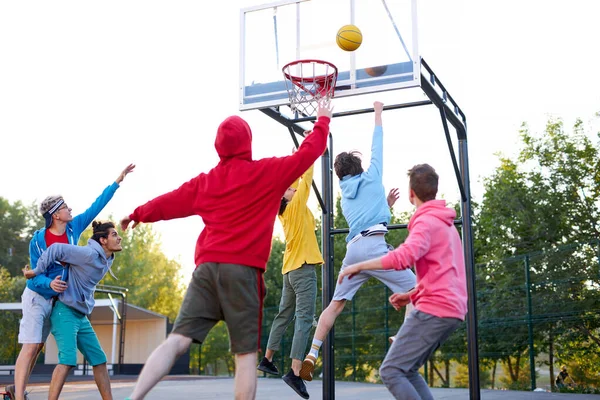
(41, 283)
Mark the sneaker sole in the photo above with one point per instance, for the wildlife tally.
(268, 371)
(306, 372)
(294, 388)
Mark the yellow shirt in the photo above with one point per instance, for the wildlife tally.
(299, 228)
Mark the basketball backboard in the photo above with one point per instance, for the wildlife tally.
(272, 35)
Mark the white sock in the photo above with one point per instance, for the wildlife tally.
(314, 348)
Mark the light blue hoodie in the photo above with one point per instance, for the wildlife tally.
(41, 283)
(87, 264)
(364, 202)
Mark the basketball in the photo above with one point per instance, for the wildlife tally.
(349, 38)
(376, 71)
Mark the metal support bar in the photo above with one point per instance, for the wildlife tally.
(390, 227)
(467, 238)
(530, 322)
(327, 276)
(314, 185)
(368, 110)
(452, 155)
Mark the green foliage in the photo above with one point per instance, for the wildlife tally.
(17, 224)
(10, 291)
(536, 237)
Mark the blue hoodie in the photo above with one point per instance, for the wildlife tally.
(364, 202)
(41, 283)
(88, 265)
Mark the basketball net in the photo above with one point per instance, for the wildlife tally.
(308, 82)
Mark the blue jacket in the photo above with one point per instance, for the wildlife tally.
(37, 245)
(87, 264)
(364, 202)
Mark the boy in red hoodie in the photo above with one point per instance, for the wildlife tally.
(238, 201)
(440, 297)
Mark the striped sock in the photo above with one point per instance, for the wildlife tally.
(314, 348)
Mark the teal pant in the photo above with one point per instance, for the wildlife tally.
(72, 330)
(298, 299)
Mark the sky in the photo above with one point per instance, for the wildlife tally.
(89, 87)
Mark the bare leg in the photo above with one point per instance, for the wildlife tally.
(328, 317)
(59, 376)
(296, 365)
(102, 381)
(24, 365)
(160, 363)
(245, 376)
(269, 354)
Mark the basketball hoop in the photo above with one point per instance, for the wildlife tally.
(310, 82)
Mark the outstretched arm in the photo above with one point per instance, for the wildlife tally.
(178, 203)
(291, 167)
(67, 253)
(81, 221)
(376, 167)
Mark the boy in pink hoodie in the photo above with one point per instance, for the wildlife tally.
(434, 247)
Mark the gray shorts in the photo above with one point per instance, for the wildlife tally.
(35, 324)
(367, 248)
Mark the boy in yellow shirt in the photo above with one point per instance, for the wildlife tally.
(299, 293)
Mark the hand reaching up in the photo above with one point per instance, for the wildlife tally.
(325, 109)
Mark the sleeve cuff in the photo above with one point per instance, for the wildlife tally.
(387, 261)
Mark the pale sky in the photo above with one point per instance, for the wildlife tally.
(88, 87)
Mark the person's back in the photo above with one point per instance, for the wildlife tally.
(440, 269)
(239, 198)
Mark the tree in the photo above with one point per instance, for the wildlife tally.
(17, 224)
(538, 214)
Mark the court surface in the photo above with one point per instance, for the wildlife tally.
(194, 387)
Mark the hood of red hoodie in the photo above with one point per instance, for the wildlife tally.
(234, 139)
(437, 209)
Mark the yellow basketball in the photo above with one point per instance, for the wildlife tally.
(349, 38)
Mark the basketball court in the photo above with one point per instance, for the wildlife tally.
(198, 387)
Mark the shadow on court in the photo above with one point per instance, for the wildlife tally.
(200, 387)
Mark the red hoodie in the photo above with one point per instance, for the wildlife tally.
(238, 200)
(434, 247)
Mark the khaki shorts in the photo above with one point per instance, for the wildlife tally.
(224, 292)
(35, 324)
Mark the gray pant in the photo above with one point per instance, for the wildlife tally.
(419, 337)
(298, 299)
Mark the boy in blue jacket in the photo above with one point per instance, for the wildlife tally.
(39, 295)
(70, 324)
(367, 211)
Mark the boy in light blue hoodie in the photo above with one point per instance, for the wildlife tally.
(87, 266)
(39, 295)
(367, 212)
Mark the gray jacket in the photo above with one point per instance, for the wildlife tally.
(88, 265)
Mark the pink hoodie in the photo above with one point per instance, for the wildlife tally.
(434, 247)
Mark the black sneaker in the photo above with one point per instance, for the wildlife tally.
(268, 367)
(296, 383)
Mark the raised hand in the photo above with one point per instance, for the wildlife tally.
(378, 107)
(325, 109)
(392, 196)
(125, 223)
(123, 174)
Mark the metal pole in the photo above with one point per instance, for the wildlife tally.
(530, 323)
(467, 237)
(327, 276)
